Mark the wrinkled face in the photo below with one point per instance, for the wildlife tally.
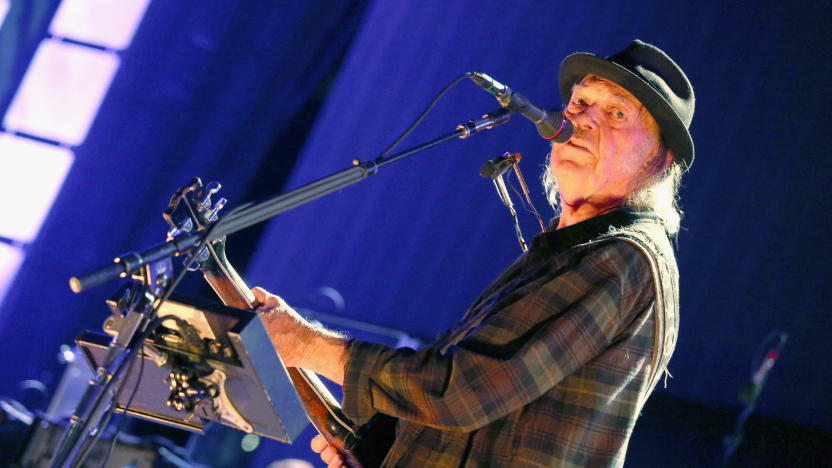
(615, 148)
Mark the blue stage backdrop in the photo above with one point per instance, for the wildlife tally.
(212, 88)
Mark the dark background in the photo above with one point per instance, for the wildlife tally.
(266, 96)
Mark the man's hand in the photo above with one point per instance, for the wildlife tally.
(299, 343)
(290, 333)
(329, 455)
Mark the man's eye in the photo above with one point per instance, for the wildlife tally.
(580, 102)
(619, 115)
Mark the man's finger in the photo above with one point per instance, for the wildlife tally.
(260, 295)
(329, 455)
(318, 443)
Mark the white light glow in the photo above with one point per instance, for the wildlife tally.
(61, 91)
(31, 173)
(4, 8)
(250, 442)
(10, 260)
(110, 23)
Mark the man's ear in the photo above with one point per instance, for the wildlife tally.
(658, 164)
(669, 158)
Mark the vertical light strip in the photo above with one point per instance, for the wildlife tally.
(32, 174)
(107, 23)
(61, 92)
(4, 8)
(10, 259)
(57, 100)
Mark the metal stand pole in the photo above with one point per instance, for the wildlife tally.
(249, 215)
(137, 303)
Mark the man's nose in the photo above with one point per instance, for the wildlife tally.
(585, 118)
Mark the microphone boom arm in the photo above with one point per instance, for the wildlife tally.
(250, 215)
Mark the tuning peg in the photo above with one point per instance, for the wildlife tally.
(213, 186)
(212, 216)
(203, 255)
(210, 189)
(184, 226)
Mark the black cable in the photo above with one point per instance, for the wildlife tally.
(525, 199)
(131, 359)
(519, 232)
(379, 159)
(102, 425)
(422, 115)
(527, 206)
(126, 407)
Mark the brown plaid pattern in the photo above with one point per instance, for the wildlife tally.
(550, 367)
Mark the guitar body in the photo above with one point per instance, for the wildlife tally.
(375, 439)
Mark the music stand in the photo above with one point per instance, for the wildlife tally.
(256, 394)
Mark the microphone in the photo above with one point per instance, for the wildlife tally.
(751, 390)
(551, 125)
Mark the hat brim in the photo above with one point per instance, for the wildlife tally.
(673, 131)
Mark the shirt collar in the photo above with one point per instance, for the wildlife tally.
(558, 240)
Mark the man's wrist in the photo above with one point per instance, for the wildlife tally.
(326, 354)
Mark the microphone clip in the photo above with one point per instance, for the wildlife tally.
(499, 165)
(494, 170)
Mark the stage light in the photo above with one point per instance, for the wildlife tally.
(107, 23)
(61, 91)
(10, 260)
(4, 8)
(32, 173)
(250, 442)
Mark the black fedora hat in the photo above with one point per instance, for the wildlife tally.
(653, 78)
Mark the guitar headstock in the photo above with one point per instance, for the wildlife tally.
(191, 209)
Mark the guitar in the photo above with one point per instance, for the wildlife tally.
(191, 208)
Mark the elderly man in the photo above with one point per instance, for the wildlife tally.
(554, 361)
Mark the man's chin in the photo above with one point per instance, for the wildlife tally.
(569, 163)
(570, 168)
(573, 155)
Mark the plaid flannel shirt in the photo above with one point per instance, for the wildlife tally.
(549, 367)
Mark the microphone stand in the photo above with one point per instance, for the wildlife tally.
(249, 215)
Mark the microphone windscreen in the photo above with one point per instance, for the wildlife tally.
(559, 134)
